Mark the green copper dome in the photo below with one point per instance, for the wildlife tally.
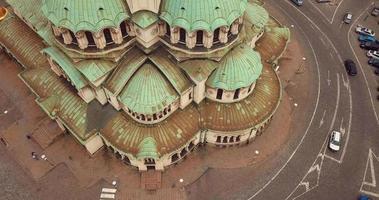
(147, 149)
(202, 15)
(239, 68)
(148, 92)
(90, 15)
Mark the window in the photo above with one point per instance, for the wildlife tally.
(108, 36)
(74, 40)
(236, 94)
(123, 29)
(155, 116)
(218, 139)
(182, 35)
(143, 117)
(149, 161)
(168, 30)
(219, 94)
(216, 35)
(91, 41)
(199, 38)
(190, 96)
(174, 158)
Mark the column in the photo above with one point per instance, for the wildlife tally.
(208, 39)
(175, 35)
(224, 34)
(57, 31)
(191, 39)
(162, 28)
(82, 39)
(67, 39)
(99, 39)
(234, 28)
(130, 29)
(116, 35)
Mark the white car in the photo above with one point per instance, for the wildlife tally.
(335, 141)
(364, 31)
(373, 54)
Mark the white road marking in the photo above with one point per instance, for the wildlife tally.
(322, 13)
(370, 164)
(335, 12)
(322, 119)
(109, 190)
(328, 80)
(360, 65)
(312, 118)
(322, 149)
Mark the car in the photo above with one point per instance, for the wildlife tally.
(351, 68)
(347, 18)
(373, 54)
(335, 141)
(364, 31)
(374, 62)
(298, 2)
(366, 38)
(375, 11)
(370, 46)
(363, 197)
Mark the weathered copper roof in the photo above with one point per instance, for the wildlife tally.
(22, 42)
(148, 91)
(198, 69)
(58, 100)
(125, 70)
(31, 11)
(144, 18)
(147, 149)
(239, 68)
(247, 113)
(126, 134)
(171, 70)
(90, 15)
(201, 15)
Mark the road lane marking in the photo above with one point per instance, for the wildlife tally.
(322, 119)
(359, 63)
(335, 12)
(321, 152)
(328, 80)
(371, 158)
(312, 118)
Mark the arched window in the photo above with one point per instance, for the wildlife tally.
(91, 41)
(238, 138)
(225, 140)
(219, 93)
(124, 33)
(174, 158)
(199, 38)
(126, 160)
(183, 152)
(74, 40)
(108, 36)
(218, 139)
(236, 94)
(182, 36)
(216, 36)
(168, 30)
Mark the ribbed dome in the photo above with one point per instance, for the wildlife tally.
(91, 15)
(148, 92)
(239, 68)
(202, 15)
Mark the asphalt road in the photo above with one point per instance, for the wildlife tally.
(309, 170)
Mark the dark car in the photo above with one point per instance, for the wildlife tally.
(370, 46)
(363, 197)
(374, 62)
(351, 68)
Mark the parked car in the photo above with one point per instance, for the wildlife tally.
(366, 38)
(370, 46)
(347, 18)
(351, 68)
(374, 62)
(364, 31)
(375, 11)
(373, 54)
(298, 2)
(363, 197)
(335, 141)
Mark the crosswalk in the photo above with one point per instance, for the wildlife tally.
(108, 193)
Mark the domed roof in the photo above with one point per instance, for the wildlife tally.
(148, 91)
(90, 15)
(202, 15)
(239, 68)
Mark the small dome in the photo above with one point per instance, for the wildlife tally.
(148, 92)
(239, 68)
(202, 15)
(89, 15)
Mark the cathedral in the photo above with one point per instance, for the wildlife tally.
(150, 80)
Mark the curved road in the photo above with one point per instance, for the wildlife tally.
(309, 170)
